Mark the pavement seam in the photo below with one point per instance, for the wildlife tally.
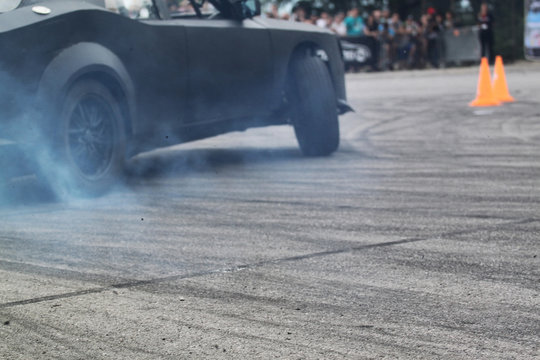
(237, 268)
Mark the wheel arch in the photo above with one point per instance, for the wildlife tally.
(87, 61)
(307, 48)
(301, 50)
(312, 48)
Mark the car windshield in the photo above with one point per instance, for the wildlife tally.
(8, 5)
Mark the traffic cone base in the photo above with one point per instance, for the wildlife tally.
(484, 93)
(508, 99)
(500, 87)
(483, 103)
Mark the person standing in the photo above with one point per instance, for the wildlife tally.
(338, 26)
(371, 31)
(432, 33)
(449, 21)
(324, 21)
(485, 21)
(354, 23)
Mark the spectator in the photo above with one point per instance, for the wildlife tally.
(485, 21)
(394, 24)
(441, 42)
(329, 22)
(312, 19)
(448, 20)
(385, 17)
(387, 48)
(354, 23)
(394, 44)
(324, 21)
(299, 14)
(440, 22)
(411, 26)
(377, 17)
(422, 39)
(432, 32)
(416, 44)
(404, 47)
(371, 29)
(273, 13)
(338, 26)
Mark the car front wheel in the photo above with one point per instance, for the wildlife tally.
(313, 107)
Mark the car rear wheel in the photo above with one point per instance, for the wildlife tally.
(314, 108)
(89, 146)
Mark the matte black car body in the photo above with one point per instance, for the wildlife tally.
(175, 80)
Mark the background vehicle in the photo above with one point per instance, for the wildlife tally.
(84, 87)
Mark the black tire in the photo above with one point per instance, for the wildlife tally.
(313, 106)
(88, 147)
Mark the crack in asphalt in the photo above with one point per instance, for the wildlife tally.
(137, 283)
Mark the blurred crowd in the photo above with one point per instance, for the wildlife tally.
(397, 43)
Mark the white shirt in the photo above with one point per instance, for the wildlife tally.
(340, 29)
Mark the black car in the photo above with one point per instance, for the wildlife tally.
(86, 84)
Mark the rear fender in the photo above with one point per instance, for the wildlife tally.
(82, 60)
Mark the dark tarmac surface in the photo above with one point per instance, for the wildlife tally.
(420, 238)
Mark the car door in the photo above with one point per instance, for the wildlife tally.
(230, 69)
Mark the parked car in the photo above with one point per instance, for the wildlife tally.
(85, 85)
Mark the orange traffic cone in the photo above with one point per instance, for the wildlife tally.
(484, 94)
(500, 87)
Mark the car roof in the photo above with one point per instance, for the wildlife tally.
(100, 3)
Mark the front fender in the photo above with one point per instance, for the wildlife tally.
(80, 60)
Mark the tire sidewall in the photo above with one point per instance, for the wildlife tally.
(313, 106)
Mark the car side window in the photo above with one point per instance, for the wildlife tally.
(134, 9)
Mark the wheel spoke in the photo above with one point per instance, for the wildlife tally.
(98, 122)
(100, 138)
(92, 116)
(81, 111)
(79, 149)
(91, 135)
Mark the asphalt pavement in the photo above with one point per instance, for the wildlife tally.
(419, 238)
